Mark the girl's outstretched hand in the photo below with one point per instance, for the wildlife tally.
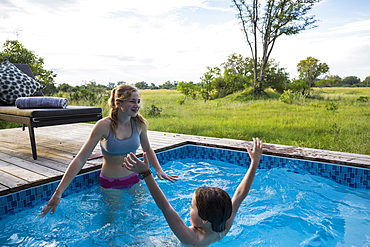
(256, 151)
(163, 175)
(52, 204)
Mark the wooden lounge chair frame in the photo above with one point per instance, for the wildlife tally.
(34, 118)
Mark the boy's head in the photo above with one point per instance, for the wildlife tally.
(214, 205)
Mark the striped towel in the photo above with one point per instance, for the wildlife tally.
(41, 102)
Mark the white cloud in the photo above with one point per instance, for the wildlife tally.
(346, 49)
(156, 41)
(360, 27)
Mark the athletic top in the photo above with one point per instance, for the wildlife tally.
(117, 147)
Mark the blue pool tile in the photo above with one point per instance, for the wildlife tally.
(353, 177)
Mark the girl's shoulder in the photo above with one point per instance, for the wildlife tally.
(103, 126)
(139, 125)
(104, 122)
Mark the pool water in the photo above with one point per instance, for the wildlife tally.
(284, 208)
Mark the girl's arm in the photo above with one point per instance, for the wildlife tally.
(183, 233)
(74, 167)
(245, 185)
(152, 157)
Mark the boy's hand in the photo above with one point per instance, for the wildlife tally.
(256, 150)
(131, 162)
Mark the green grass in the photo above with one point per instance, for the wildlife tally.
(311, 123)
(336, 120)
(339, 93)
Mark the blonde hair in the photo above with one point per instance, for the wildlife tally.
(122, 92)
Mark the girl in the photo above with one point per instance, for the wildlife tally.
(119, 134)
(211, 213)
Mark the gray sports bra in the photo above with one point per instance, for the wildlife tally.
(116, 147)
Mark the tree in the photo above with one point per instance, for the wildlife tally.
(280, 17)
(366, 82)
(169, 85)
(153, 86)
(89, 93)
(227, 83)
(274, 77)
(189, 89)
(351, 81)
(15, 52)
(310, 69)
(239, 64)
(64, 87)
(298, 85)
(111, 85)
(329, 81)
(205, 85)
(141, 85)
(120, 82)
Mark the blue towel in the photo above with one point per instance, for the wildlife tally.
(41, 102)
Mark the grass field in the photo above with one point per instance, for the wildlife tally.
(338, 122)
(338, 119)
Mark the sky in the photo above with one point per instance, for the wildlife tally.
(173, 40)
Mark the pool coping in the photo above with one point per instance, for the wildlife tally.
(334, 157)
(341, 172)
(19, 171)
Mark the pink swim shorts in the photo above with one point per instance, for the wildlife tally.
(119, 183)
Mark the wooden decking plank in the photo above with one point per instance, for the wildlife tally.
(27, 165)
(57, 158)
(25, 153)
(17, 144)
(24, 149)
(13, 149)
(57, 145)
(26, 156)
(3, 187)
(20, 172)
(10, 181)
(49, 151)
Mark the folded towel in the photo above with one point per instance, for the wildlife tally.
(41, 102)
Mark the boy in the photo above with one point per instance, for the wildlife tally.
(211, 213)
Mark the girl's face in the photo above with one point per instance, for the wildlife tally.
(130, 106)
(195, 220)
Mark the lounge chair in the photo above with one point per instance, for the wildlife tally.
(34, 118)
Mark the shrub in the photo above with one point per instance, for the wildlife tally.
(363, 99)
(331, 106)
(286, 97)
(289, 97)
(154, 111)
(181, 101)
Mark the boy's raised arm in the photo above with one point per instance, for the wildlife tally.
(183, 233)
(245, 185)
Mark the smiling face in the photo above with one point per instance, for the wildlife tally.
(130, 106)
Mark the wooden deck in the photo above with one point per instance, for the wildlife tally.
(57, 145)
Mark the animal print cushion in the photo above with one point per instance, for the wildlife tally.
(14, 83)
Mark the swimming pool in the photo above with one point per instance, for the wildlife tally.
(292, 202)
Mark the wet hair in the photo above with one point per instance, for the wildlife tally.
(214, 205)
(122, 92)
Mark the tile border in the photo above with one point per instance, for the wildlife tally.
(354, 177)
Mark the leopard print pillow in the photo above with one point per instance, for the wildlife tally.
(14, 83)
